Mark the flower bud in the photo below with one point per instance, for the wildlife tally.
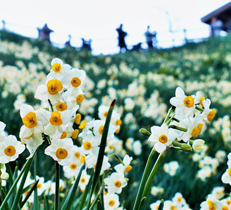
(186, 147)
(198, 145)
(5, 176)
(145, 132)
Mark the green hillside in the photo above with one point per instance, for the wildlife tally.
(142, 84)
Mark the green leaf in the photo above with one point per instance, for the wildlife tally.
(29, 193)
(101, 152)
(25, 169)
(70, 197)
(2, 197)
(20, 189)
(99, 206)
(161, 206)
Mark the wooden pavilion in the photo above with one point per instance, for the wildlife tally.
(44, 33)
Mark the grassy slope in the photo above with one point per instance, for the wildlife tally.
(192, 62)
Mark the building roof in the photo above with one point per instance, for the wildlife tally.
(223, 13)
(46, 29)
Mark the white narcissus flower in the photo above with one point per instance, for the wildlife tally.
(84, 179)
(58, 69)
(10, 149)
(208, 113)
(49, 187)
(57, 122)
(211, 203)
(162, 137)
(99, 127)
(178, 199)
(74, 78)
(126, 167)
(2, 127)
(32, 142)
(226, 177)
(199, 98)
(74, 97)
(90, 144)
(91, 161)
(34, 121)
(115, 182)
(155, 206)
(61, 150)
(50, 91)
(111, 201)
(185, 105)
(195, 125)
(198, 145)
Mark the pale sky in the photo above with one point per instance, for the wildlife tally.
(98, 20)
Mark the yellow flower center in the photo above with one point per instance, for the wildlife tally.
(77, 118)
(189, 101)
(200, 126)
(172, 207)
(80, 98)
(61, 153)
(75, 133)
(77, 154)
(118, 183)
(95, 166)
(83, 124)
(73, 166)
(105, 114)
(111, 203)
(83, 180)
(29, 136)
(157, 207)
(87, 145)
(201, 100)
(76, 82)
(224, 208)
(211, 115)
(229, 171)
(82, 159)
(195, 132)
(54, 86)
(118, 122)
(117, 131)
(30, 120)
(179, 199)
(39, 185)
(211, 205)
(101, 129)
(111, 147)
(129, 168)
(56, 118)
(61, 106)
(10, 150)
(64, 135)
(56, 67)
(163, 139)
(228, 202)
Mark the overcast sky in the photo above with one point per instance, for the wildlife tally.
(98, 19)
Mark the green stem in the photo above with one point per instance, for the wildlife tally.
(36, 203)
(153, 173)
(96, 198)
(199, 109)
(169, 112)
(143, 179)
(178, 128)
(57, 175)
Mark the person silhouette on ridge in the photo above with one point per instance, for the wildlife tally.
(121, 38)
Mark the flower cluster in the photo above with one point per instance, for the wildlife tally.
(185, 121)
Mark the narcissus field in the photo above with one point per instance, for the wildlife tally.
(137, 130)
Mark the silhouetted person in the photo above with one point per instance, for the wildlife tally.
(86, 44)
(216, 27)
(68, 43)
(150, 37)
(137, 47)
(121, 38)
